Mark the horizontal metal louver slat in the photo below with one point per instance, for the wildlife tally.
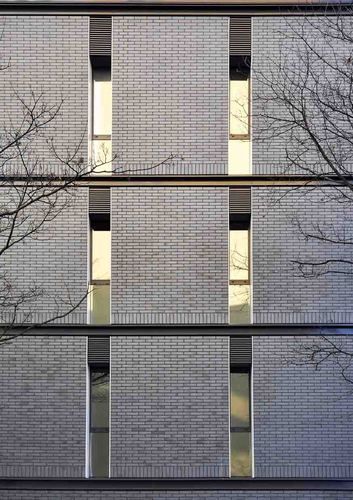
(240, 201)
(99, 201)
(240, 36)
(240, 351)
(98, 350)
(100, 36)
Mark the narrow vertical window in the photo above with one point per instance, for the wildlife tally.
(240, 406)
(240, 423)
(239, 149)
(100, 271)
(99, 422)
(239, 275)
(101, 93)
(239, 255)
(102, 119)
(239, 117)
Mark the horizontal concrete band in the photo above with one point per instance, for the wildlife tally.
(177, 484)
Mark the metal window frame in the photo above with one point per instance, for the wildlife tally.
(237, 430)
(97, 430)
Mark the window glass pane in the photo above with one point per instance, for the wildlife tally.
(99, 454)
(102, 157)
(239, 255)
(101, 253)
(99, 300)
(239, 157)
(239, 106)
(102, 102)
(99, 399)
(240, 405)
(241, 454)
(239, 303)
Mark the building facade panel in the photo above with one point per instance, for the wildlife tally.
(46, 61)
(290, 63)
(169, 255)
(43, 407)
(281, 220)
(170, 94)
(49, 267)
(301, 415)
(169, 407)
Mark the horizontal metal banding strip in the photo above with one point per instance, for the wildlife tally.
(178, 484)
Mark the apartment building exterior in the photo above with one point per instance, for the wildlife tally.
(175, 376)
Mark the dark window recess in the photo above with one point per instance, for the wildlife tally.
(99, 422)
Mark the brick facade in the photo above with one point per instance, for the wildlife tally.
(43, 407)
(169, 407)
(46, 57)
(174, 70)
(280, 293)
(302, 416)
(169, 255)
(53, 262)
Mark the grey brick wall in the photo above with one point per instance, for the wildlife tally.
(170, 93)
(53, 261)
(175, 495)
(42, 407)
(279, 57)
(169, 407)
(47, 55)
(169, 255)
(280, 293)
(302, 417)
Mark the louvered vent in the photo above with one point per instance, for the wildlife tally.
(98, 350)
(100, 36)
(240, 351)
(240, 201)
(240, 36)
(99, 201)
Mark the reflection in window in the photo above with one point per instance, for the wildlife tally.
(99, 422)
(102, 101)
(240, 422)
(101, 148)
(239, 117)
(100, 272)
(239, 276)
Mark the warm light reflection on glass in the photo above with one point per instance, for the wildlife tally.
(102, 156)
(239, 107)
(101, 255)
(240, 405)
(239, 255)
(239, 157)
(102, 102)
(239, 304)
